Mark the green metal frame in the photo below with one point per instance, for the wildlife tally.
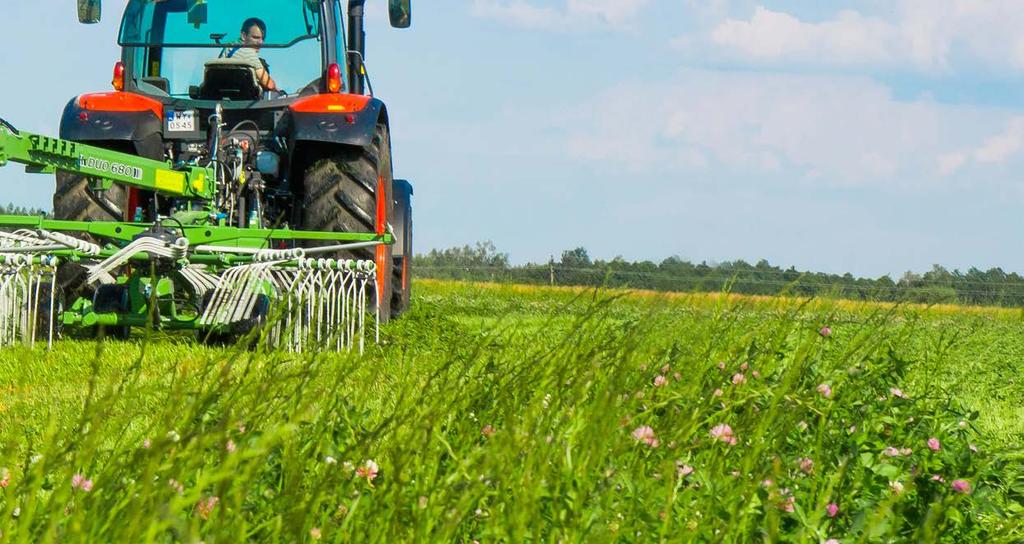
(210, 235)
(42, 154)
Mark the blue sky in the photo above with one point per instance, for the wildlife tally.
(869, 137)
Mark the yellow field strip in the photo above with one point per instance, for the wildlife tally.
(704, 299)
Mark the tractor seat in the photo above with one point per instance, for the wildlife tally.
(229, 79)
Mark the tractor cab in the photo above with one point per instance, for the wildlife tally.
(200, 50)
(171, 49)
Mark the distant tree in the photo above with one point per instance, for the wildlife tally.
(576, 258)
(938, 275)
(909, 279)
(11, 209)
(482, 255)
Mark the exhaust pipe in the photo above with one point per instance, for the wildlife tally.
(356, 45)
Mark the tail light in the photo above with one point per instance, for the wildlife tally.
(118, 81)
(334, 78)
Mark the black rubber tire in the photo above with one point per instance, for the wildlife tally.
(112, 298)
(240, 329)
(340, 195)
(72, 201)
(44, 317)
(257, 318)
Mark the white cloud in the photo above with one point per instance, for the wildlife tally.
(1001, 147)
(929, 35)
(773, 35)
(575, 14)
(613, 12)
(994, 150)
(836, 130)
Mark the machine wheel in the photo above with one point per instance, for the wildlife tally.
(257, 318)
(238, 330)
(73, 201)
(352, 191)
(112, 298)
(45, 318)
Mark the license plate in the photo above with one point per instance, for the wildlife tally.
(181, 121)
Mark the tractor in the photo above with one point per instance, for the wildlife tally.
(238, 133)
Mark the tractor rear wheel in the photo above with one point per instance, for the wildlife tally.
(351, 190)
(73, 201)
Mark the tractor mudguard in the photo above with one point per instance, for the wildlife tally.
(142, 128)
(333, 127)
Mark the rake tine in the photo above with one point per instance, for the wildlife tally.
(21, 298)
(53, 302)
(321, 302)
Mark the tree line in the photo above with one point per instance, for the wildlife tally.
(483, 262)
(11, 209)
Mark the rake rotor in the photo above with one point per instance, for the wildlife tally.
(196, 265)
(291, 301)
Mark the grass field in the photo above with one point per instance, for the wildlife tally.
(513, 414)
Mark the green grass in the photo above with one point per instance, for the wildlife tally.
(504, 414)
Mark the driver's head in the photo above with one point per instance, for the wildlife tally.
(254, 31)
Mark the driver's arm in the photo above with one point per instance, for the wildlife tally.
(267, 82)
(260, 66)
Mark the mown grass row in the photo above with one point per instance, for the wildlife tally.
(496, 414)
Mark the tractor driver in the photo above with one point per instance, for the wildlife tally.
(254, 31)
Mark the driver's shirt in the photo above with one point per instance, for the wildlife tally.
(247, 55)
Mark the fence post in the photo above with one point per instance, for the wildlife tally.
(551, 270)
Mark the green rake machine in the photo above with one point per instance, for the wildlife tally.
(186, 271)
(183, 222)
